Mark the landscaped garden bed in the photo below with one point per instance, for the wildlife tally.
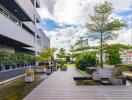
(124, 67)
(86, 82)
(29, 75)
(18, 89)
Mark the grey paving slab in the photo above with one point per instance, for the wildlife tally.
(61, 86)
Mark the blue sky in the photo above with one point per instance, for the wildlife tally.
(64, 20)
(51, 25)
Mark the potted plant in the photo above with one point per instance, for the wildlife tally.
(48, 55)
(48, 69)
(63, 68)
(29, 75)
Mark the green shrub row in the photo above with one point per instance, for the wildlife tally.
(113, 59)
(11, 58)
(86, 60)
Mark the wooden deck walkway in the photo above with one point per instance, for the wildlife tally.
(61, 86)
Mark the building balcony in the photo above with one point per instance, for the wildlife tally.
(23, 9)
(31, 26)
(14, 31)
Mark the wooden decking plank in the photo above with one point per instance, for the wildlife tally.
(61, 86)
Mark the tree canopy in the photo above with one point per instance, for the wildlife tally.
(62, 53)
(47, 54)
(102, 26)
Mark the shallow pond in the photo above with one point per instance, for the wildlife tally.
(18, 89)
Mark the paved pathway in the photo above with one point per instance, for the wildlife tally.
(60, 86)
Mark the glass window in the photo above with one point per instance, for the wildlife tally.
(38, 40)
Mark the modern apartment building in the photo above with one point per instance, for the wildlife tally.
(126, 57)
(42, 41)
(18, 31)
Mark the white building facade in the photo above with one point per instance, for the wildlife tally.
(18, 27)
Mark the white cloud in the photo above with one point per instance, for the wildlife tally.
(75, 12)
(125, 36)
(65, 37)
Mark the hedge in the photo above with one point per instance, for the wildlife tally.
(86, 60)
(7, 58)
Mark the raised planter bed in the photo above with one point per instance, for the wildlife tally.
(63, 69)
(29, 79)
(105, 81)
(29, 75)
(118, 81)
(48, 71)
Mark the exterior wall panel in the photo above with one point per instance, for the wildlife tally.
(30, 25)
(11, 30)
(27, 7)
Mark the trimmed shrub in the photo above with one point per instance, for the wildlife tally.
(29, 72)
(114, 59)
(86, 60)
(7, 58)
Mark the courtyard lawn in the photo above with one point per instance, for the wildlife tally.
(71, 65)
(18, 89)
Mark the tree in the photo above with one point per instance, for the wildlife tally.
(67, 57)
(113, 52)
(102, 27)
(47, 54)
(85, 60)
(72, 52)
(62, 53)
(80, 43)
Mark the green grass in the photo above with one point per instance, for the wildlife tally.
(17, 89)
(70, 65)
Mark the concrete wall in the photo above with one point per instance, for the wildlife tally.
(7, 48)
(14, 31)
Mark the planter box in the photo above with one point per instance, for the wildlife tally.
(96, 76)
(90, 70)
(29, 78)
(40, 70)
(105, 72)
(118, 81)
(102, 73)
(63, 69)
(48, 71)
(115, 81)
(55, 69)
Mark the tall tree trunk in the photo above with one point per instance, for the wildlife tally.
(101, 51)
(72, 57)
